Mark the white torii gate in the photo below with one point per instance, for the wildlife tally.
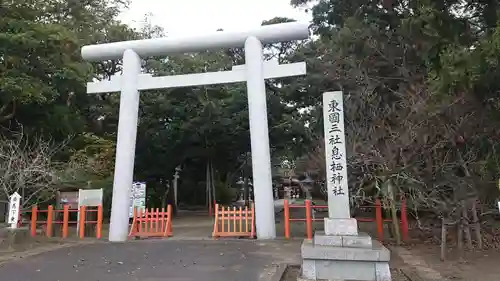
(253, 72)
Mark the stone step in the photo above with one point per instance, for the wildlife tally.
(345, 263)
(319, 252)
(363, 240)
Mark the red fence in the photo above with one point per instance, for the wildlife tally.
(234, 222)
(379, 220)
(51, 215)
(152, 223)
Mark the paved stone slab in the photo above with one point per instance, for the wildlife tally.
(155, 260)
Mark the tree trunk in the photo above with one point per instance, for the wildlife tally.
(387, 214)
(208, 186)
(477, 225)
(394, 213)
(465, 216)
(176, 189)
(164, 199)
(212, 181)
(305, 191)
(443, 239)
(460, 237)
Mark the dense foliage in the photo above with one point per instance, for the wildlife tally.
(420, 81)
(43, 92)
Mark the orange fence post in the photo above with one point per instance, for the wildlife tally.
(309, 230)
(169, 220)
(252, 234)
(157, 220)
(404, 220)
(222, 218)
(142, 213)
(98, 233)
(65, 221)
(246, 219)
(286, 211)
(134, 227)
(240, 214)
(379, 220)
(216, 221)
(163, 224)
(234, 220)
(50, 214)
(151, 219)
(34, 216)
(146, 221)
(83, 210)
(232, 217)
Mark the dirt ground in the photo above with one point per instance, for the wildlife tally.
(474, 266)
(292, 272)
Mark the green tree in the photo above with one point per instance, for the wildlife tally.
(420, 80)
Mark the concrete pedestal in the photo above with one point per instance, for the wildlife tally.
(340, 253)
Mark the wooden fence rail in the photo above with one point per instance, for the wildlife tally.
(235, 222)
(151, 223)
(53, 217)
(379, 220)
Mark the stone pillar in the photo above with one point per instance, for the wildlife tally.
(340, 252)
(125, 147)
(259, 139)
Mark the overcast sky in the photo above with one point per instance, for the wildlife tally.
(184, 17)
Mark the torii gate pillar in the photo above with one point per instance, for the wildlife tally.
(131, 51)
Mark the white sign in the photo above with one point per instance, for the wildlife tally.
(90, 197)
(335, 155)
(137, 197)
(14, 207)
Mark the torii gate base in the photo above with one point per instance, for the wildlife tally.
(129, 107)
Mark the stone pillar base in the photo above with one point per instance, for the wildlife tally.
(343, 256)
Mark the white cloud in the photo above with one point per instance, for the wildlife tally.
(199, 16)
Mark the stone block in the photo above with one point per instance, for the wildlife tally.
(382, 271)
(327, 240)
(344, 257)
(384, 253)
(341, 227)
(11, 237)
(318, 252)
(362, 240)
(345, 270)
(308, 269)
